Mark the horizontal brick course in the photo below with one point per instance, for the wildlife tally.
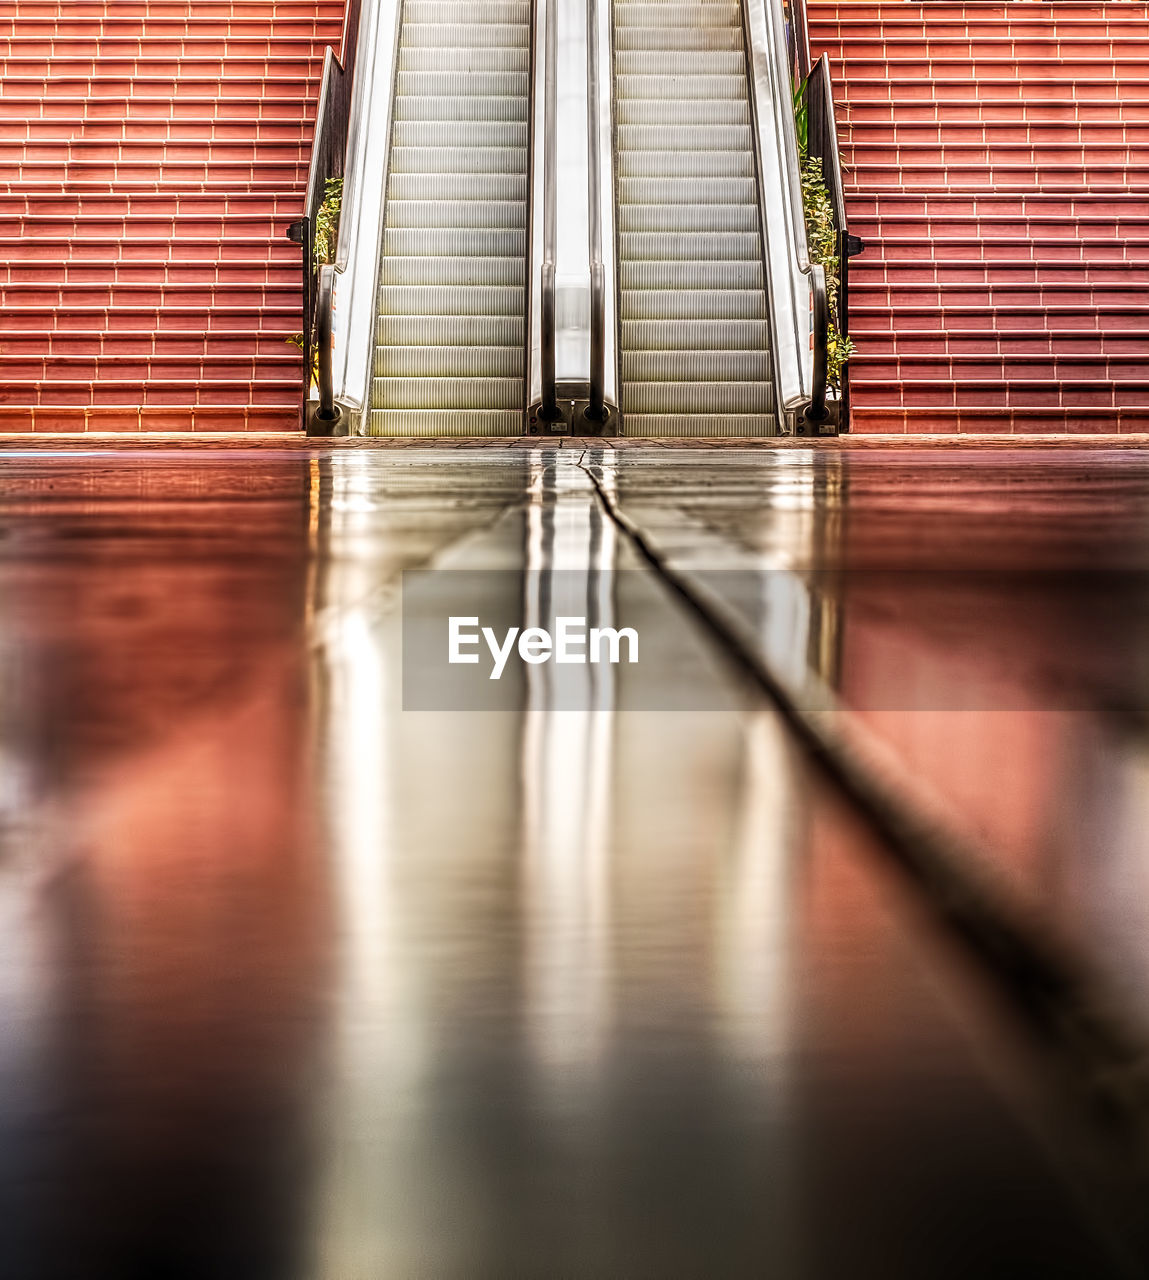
(997, 166)
(152, 154)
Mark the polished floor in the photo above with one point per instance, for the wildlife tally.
(813, 944)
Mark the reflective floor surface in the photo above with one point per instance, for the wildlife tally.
(321, 957)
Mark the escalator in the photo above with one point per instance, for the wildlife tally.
(694, 340)
(452, 276)
(569, 217)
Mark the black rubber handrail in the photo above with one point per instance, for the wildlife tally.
(549, 409)
(327, 413)
(328, 158)
(596, 406)
(822, 142)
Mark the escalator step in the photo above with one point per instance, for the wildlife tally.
(449, 337)
(691, 246)
(718, 336)
(638, 218)
(465, 34)
(448, 362)
(692, 275)
(438, 208)
(688, 398)
(481, 391)
(445, 422)
(451, 300)
(695, 357)
(466, 189)
(461, 242)
(453, 271)
(696, 366)
(694, 304)
(695, 112)
(483, 331)
(501, 58)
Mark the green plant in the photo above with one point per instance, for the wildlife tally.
(327, 221)
(296, 340)
(326, 239)
(822, 237)
(802, 116)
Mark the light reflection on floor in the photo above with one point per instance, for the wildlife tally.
(297, 983)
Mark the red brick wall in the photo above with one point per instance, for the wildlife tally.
(152, 153)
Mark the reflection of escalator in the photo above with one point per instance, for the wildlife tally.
(695, 358)
(449, 341)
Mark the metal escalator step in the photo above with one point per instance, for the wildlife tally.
(449, 331)
(494, 193)
(447, 393)
(457, 159)
(445, 422)
(717, 13)
(700, 304)
(451, 214)
(685, 137)
(690, 62)
(683, 218)
(695, 366)
(697, 397)
(512, 58)
(450, 328)
(629, 38)
(686, 164)
(700, 425)
(692, 246)
(466, 35)
(450, 242)
(459, 133)
(662, 88)
(698, 111)
(477, 270)
(453, 13)
(691, 275)
(451, 300)
(695, 356)
(453, 84)
(663, 190)
(449, 362)
(694, 335)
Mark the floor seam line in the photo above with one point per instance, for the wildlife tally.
(1048, 982)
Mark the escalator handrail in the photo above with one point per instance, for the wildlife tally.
(767, 50)
(823, 142)
(549, 393)
(327, 413)
(820, 334)
(327, 161)
(594, 208)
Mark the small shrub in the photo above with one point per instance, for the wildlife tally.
(326, 239)
(327, 221)
(822, 237)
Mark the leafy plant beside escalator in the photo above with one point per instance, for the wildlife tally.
(822, 236)
(326, 239)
